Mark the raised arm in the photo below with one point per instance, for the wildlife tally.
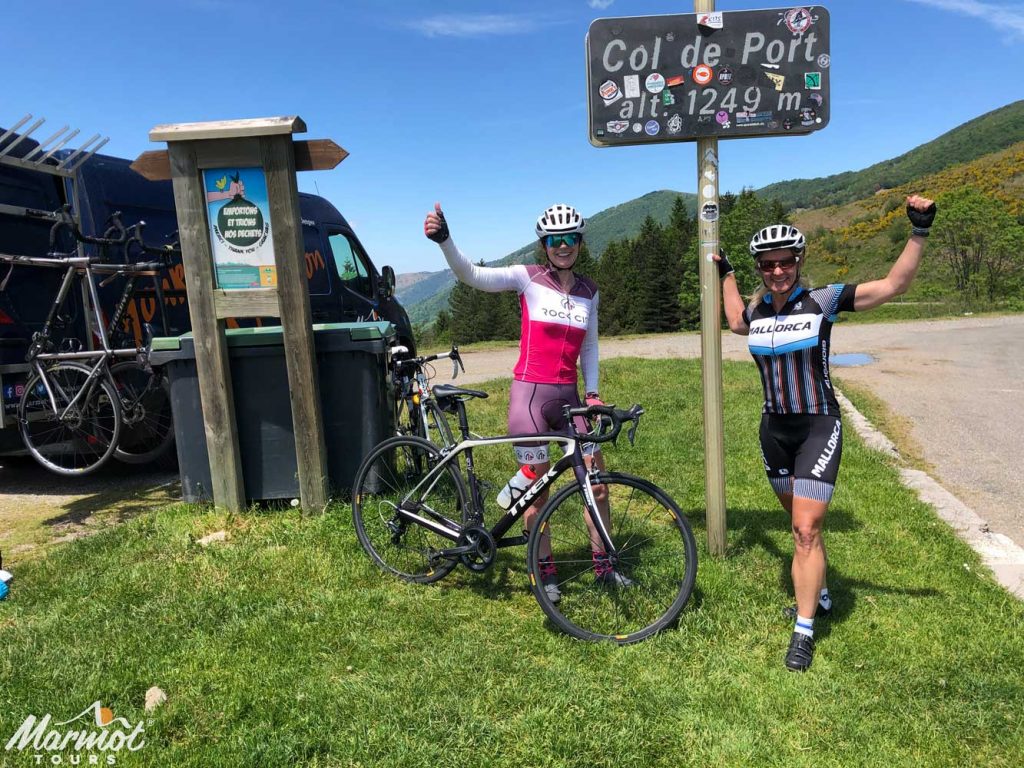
(732, 302)
(490, 279)
(921, 212)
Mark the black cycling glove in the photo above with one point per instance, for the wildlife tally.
(921, 220)
(442, 233)
(724, 267)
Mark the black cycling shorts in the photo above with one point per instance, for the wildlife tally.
(801, 453)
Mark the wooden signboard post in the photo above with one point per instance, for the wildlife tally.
(701, 77)
(241, 240)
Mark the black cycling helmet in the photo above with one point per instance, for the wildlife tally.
(776, 237)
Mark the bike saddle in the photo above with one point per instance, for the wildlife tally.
(443, 391)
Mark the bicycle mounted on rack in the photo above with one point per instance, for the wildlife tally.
(82, 406)
(416, 519)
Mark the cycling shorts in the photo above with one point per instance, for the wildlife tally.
(801, 453)
(536, 408)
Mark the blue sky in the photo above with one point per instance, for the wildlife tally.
(481, 105)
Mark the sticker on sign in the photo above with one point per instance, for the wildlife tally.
(711, 20)
(718, 66)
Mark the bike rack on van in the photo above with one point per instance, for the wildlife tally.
(43, 158)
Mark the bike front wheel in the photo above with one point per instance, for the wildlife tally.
(655, 562)
(147, 425)
(82, 433)
(394, 473)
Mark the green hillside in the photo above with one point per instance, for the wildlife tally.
(858, 240)
(424, 299)
(992, 132)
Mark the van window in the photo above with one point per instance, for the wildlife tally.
(351, 264)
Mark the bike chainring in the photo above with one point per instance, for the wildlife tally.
(484, 549)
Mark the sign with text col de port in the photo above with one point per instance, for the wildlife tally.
(727, 74)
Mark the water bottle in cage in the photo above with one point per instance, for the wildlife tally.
(516, 487)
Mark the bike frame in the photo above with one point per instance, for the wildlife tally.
(573, 459)
(82, 266)
(418, 380)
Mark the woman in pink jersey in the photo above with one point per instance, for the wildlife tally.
(559, 329)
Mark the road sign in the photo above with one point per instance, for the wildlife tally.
(728, 75)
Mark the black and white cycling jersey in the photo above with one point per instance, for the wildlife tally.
(791, 348)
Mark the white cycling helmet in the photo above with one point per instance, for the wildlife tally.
(778, 236)
(560, 220)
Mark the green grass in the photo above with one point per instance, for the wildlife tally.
(285, 646)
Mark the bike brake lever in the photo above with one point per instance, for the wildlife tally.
(631, 433)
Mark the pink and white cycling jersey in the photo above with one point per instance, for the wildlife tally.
(558, 327)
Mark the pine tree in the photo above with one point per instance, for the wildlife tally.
(649, 258)
(442, 327)
(682, 237)
(471, 319)
(748, 215)
(586, 264)
(611, 312)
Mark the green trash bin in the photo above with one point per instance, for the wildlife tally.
(356, 405)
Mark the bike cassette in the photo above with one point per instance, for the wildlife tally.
(483, 549)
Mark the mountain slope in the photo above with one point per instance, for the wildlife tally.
(992, 132)
(858, 240)
(427, 296)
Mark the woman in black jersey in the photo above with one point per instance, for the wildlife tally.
(788, 328)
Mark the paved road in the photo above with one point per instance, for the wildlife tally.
(960, 382)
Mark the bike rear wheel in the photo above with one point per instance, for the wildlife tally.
(387, 475)
(657, 553)
(147, 425)
(86, 437)
(437, 424)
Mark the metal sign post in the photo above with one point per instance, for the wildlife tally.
(241, 239)
(701, 77)
(710, 333)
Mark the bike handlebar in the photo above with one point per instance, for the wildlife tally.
(164, 252)
(419, 362)
(610, 421)
(66, 221)
(115, 235)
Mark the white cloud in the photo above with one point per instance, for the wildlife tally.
(473, 25)
(599, 4)
(1005, 18)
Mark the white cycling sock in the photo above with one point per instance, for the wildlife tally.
(804, 626)
(825, 600)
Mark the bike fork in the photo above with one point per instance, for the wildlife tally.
(583, 478)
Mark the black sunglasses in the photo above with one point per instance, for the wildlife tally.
(769, 266)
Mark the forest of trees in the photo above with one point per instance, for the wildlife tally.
(647, 284)
(650, 284)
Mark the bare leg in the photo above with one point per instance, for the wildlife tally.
(786, 499)
(808, 554)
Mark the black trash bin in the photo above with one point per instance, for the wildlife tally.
(355, 404)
